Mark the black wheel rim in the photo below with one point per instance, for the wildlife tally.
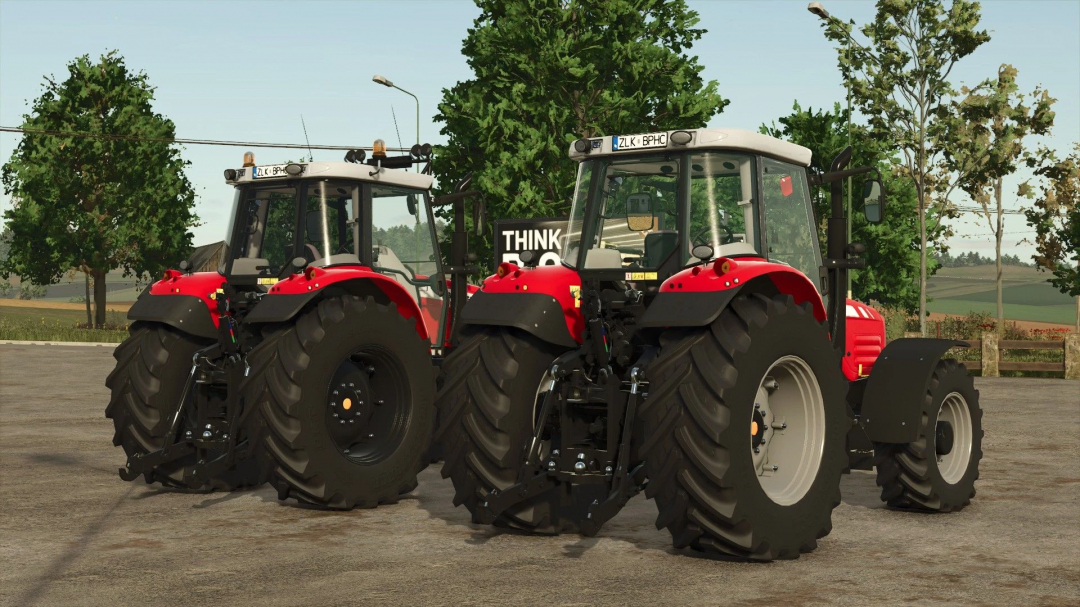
(368, 405)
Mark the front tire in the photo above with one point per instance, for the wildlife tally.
(937, 471)
(759, 387)
(346, 391)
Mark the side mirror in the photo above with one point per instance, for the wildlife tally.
(410, 202)
(639, 216)
(298, 263)
(873, 201)
(703, 252)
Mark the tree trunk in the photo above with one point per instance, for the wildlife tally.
(99, 298)
(997, 244)
(89, 315)
(922, 262)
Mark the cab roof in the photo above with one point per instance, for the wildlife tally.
(341, 170)
(704, 139)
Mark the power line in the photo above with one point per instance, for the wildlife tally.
(245, 144)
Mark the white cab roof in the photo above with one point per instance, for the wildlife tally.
(344, 170)
(708, 139)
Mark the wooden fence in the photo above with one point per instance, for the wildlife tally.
(991, 363)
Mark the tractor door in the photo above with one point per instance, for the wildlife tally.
(404, 241)
(790, 234)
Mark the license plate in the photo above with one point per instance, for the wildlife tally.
(638, 142)
(270, 170)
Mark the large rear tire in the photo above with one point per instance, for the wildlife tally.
(937, 472)
(347, 392)
(486, 405)
(759, 387)
(152, 366)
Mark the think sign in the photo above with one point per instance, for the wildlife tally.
(514, 236)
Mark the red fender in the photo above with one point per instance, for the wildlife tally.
(724, 273)
(203, 285)
(317, 279)
(560, 282)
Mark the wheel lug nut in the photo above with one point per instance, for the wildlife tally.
(551, 465)
(206, 434)
(579, 466)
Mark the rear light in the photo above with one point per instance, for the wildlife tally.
(724, 265)
(505, 268)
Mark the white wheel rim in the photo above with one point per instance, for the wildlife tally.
(954, 464)
(792, 437)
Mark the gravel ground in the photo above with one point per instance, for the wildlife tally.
(73, 533)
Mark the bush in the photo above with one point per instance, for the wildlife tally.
(29, 291)
(6, 289)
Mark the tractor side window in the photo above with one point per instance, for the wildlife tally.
(328, 223)
(789, 223)
(723, 208)
(268, 233)
(404, 247)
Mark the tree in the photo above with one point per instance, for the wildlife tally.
(984, 141)
(892, 251)
(1056, 219)
(902, 86)
(117, 198)
(547, 72)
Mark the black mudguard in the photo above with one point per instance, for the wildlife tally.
(187, 313)
(279, 307)
(897, 387)
(683, 309)
(535, 313)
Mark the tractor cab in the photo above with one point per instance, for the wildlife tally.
(647, 206)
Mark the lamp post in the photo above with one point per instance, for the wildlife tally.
(818, 10)
(383, 80)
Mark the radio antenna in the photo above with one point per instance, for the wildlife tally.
(396, 128)
(311, 157)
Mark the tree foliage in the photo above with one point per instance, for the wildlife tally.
(547, 72)
(120, 200)
(901, 84)
(1056, 219)
(892, 247)
(984, 141)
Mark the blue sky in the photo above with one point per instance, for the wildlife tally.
(249, 70)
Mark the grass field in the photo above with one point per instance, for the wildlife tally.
(56, 324)
(1025, 293)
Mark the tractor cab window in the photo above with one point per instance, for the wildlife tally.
(328, 226)
(638, 208)
(789, 218)
(265, 240)
(404, 247)
(723, 208)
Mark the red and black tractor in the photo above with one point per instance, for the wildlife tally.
(696, 344)
(309, 358)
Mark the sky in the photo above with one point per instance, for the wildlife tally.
(249, 70)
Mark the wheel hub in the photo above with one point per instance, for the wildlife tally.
(787, 430)
(943, 442)
(953, 437)
(350, 405)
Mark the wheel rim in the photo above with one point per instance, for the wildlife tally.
(368, 409)
(953, 459)
(787, 430)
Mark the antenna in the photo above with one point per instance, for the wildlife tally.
(396, 127)
(310, 156)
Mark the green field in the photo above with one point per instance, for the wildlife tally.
(47, 324)
(1025, 293)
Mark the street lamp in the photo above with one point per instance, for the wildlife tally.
(383, 80)
(819, 11)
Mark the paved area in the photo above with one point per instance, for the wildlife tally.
(72, 533)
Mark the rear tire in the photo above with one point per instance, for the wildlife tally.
(917, 475)
(486, 407)
(152, 366)
(701, 428)
(295, 370)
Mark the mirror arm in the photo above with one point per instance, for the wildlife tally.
(838, 175)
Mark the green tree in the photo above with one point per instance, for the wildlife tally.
(1056, 219)
(892, 247)
(984, 142)
(547, 72)
(902, 86)
(118, 199)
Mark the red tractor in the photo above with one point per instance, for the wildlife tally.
(309, 358)
(696, 345)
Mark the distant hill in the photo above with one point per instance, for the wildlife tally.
(1025, 293)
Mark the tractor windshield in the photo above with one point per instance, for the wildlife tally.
(264, 242)
(643, 219)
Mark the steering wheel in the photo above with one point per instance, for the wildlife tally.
(729, 236)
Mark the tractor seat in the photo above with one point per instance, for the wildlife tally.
(658, 246)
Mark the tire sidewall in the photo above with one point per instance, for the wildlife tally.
(956, 380)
